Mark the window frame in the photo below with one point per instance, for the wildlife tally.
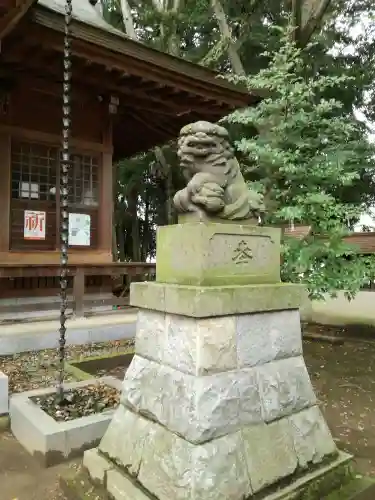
(54, 205)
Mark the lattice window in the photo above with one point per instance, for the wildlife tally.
(83, 181)
(35, 179)
(34, 169)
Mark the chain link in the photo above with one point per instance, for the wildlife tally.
(65, 164)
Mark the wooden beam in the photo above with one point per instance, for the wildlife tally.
(95, 268)
(144, 85)
(151, 60)
(36, 136)
(140, 87)
(79, 292)
(124, 63)
(10, 20)
(5, 191)
(170, 103)
(158, 129)
(106, 188)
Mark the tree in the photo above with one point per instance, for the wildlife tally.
(138, 186)
(313, 148)
(239, 37)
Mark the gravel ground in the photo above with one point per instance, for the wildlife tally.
(343, 377)
(81, 402)
(32, 370)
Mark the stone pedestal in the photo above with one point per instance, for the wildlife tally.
(217, 403)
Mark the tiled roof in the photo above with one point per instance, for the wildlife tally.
(297, 231)
(365, 241)
(82, 11)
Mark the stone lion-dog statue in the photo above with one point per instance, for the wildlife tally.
(215, 186)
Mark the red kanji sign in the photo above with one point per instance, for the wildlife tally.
(34, 225)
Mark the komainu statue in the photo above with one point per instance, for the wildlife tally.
(215, 186)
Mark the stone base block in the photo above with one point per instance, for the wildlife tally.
(203, 378)
(4, 394)
(331, 482)
(205, 254)
(212, 301)
(52, 442)
(314, 484)
(207, 407)
(204, 346)
(234, 466)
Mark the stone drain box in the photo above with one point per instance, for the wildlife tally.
(4, 394)
(53, 442)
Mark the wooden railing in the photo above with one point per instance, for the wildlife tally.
(78, 275)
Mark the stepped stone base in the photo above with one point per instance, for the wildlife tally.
(236, 465)
(334, 481)
(212, 409)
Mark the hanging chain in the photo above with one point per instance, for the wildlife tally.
(65, 164)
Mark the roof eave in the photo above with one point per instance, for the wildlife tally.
(12, 17)
(153, 58)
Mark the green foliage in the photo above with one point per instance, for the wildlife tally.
(311, 158)
(309, 147)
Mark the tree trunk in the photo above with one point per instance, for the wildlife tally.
(167, 176)
(114, 215)
(146, 231)
(127, 19)
(173, 48)
(135, 235)
(121, 241)
(226, 34)
(307, 16)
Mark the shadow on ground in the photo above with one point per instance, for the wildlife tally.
(344, 380)
(21, 477)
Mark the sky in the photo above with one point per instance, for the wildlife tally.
(364, 27)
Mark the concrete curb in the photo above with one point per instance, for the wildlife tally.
(4, 394)
(73, 366)
(53, 442)
(44, 335)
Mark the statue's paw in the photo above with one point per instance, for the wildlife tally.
(210, 203)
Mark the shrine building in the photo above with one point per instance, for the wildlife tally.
(126, 98)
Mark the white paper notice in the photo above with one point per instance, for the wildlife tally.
(34, 226)
(79, 230)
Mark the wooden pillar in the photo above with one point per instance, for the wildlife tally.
(79, 293)
(5, 191)
(106, 196)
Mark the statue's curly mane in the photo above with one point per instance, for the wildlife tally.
(214, 181)
(207, 152)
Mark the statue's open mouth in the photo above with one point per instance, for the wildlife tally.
(201, 143)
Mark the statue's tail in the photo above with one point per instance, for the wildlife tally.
(239, 209)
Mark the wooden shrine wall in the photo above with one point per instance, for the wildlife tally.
(33, 117)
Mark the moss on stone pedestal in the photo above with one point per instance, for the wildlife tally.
(211, 254)
(211, 301)
(357, 489)
(335, 481)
